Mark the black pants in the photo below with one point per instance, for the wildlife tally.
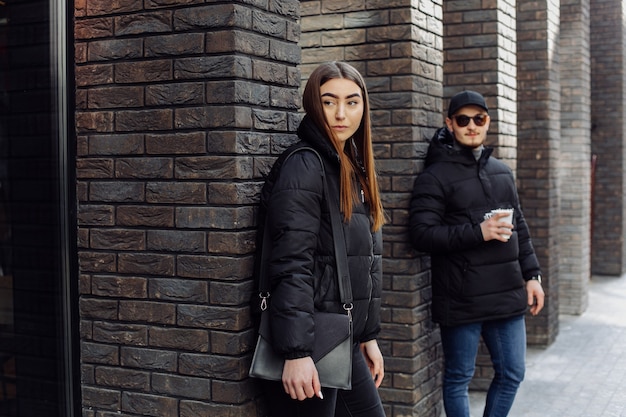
(362, 400)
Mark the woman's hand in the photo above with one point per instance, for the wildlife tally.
(374, 360)
(300, 379)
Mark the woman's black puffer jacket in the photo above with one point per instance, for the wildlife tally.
(472, 280)
(302, 263)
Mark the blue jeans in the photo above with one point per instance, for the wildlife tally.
(361, 401)
(506, 341)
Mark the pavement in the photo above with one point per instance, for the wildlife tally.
(583, 373)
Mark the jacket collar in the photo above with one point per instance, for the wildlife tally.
(443, 147)
(311, 134)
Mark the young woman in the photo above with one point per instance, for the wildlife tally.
(302, 264)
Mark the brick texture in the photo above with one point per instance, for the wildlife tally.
(404, 80)
(503, 53)
(575, 158)
(539, 141)
(181, 105)
(479, 49)
(607, 115)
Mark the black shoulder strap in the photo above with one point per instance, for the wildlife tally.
(341, 257)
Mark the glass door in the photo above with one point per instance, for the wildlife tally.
(37, 316)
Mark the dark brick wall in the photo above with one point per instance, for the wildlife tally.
(180, 106)
(404, 76)
(510, 56)
(539, 140)
(479, 50)
(607, 136)
(478, 42)
(575, 157)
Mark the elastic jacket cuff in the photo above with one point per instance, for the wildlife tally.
(297, 355)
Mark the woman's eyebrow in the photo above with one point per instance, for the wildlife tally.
(335, 96)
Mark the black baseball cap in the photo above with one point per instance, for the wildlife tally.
(466, 98)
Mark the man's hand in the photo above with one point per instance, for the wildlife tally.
(536, 296)
(495, 228)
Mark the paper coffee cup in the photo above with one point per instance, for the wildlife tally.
(508, 218)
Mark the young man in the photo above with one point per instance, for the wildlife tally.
(485, 273)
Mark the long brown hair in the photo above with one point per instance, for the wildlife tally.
(362, 139)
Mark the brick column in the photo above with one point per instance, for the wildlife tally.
(179, 108)
(479, 45)
(575, 158)
(538, 147)
(398, 51)
(607, 139)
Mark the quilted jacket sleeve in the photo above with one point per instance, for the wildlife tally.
(294, 215)
(428, 231)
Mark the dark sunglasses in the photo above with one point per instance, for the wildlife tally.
(463, 120)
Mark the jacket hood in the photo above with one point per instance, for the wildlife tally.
(443, 148)
(311, 134)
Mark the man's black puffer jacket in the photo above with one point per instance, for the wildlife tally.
(472, 280)
(302, 264)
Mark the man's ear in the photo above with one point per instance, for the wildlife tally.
(449, 124)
